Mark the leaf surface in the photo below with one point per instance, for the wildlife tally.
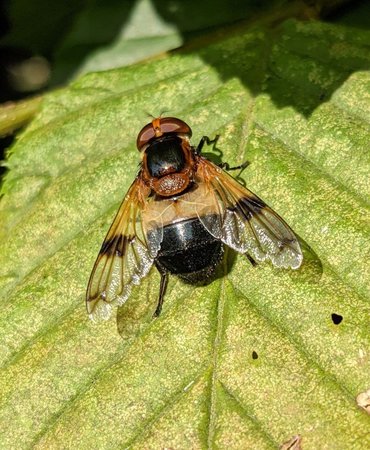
(248, 361)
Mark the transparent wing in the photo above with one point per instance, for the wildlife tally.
(125, 257)
(244, 222)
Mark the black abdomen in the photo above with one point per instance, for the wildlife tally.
(189, 251)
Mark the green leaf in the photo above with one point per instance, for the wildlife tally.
(112, 34)
(14, 115)
(248, 361)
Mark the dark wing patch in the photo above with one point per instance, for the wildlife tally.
(125, 257)
(244, 222)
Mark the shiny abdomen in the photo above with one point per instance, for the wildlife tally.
(189, 251)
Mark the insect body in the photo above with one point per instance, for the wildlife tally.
(178, 214)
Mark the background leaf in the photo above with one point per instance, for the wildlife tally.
(250, 360)
(113, 34)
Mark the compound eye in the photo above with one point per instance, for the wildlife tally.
(146, 134)
(160, 126)
(173, 125)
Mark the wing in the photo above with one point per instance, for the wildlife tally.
(125, 257)
(244, 222)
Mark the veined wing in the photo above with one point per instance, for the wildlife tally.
(125, 257)
(244, 222)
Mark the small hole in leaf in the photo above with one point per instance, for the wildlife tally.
(336, 318)
(254, 355)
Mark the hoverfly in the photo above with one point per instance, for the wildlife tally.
(179, 213)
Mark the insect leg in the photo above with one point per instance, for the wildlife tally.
(162, 289)
(251, 260)
(208, 141)
(226, 166)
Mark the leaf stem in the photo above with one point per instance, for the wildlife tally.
(14, 115)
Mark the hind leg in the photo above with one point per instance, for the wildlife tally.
(162, 289)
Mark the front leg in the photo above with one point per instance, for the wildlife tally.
(208, 141)
(222, 165)
(226, 166)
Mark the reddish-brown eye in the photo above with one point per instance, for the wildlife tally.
(160, 126)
